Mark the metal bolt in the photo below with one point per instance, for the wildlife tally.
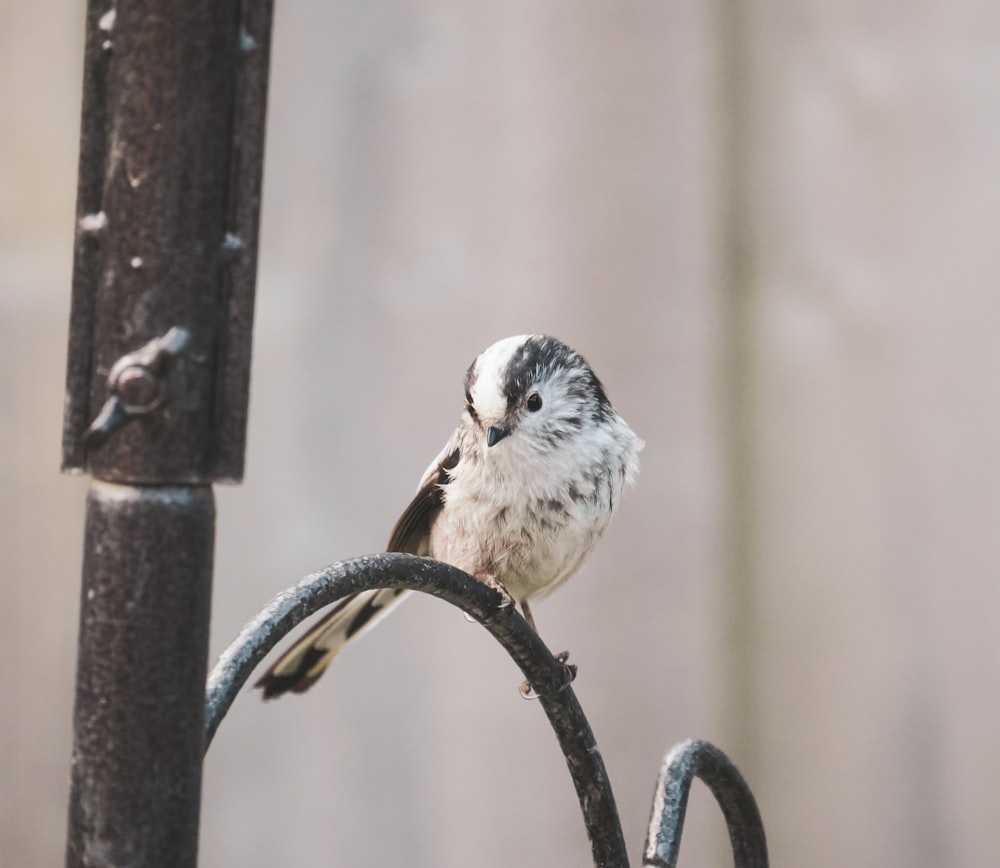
(139, 389)
(137, 385)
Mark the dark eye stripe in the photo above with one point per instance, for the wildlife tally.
(469, 406)
(538, 358)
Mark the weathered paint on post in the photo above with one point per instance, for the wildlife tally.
(158, 366)
(144, 611)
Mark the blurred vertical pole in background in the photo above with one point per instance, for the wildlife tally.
(737, 285)
(158, 372)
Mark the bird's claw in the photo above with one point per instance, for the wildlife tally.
(506, 600)
(569, 675)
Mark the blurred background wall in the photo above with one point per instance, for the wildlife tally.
(772, 227)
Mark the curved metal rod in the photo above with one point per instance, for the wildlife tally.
(682, 764)
(544, 672)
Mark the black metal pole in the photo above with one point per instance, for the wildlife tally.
(157, 378)
(143, 643)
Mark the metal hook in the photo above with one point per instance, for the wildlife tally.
(695, 758)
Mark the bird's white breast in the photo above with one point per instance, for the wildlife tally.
(527, 516)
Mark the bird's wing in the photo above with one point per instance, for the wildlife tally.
(302, 664)
(412, 532)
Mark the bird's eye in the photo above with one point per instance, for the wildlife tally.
(534, 402)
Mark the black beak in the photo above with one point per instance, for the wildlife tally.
(496, 434)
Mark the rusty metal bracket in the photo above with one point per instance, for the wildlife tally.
(168, 203)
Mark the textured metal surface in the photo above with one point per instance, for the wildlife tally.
(167, 208)
(544, 672)
(685, 762)
(168, 201)
(240, 244)
(138, 719)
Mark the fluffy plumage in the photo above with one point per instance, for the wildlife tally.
(518, 497)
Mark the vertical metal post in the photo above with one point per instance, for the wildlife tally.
(140, 689)
(157, 379)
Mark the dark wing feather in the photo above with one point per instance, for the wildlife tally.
(413, 530)
(300, 666)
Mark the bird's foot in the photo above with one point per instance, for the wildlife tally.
(569, 675)
(493, 582)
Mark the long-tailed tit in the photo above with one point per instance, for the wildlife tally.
(517, 498)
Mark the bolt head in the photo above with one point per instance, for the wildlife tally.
(139, 388)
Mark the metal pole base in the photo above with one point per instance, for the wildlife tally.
(138, 721)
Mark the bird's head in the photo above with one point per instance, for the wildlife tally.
(535, 389)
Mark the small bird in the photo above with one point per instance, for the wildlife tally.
(517, 498)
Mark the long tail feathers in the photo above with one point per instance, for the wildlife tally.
(302, 664)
